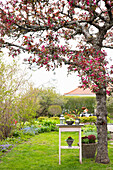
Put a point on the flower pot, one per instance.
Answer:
(77, 121)
(89, 150)
(69, 122)
(70, 142)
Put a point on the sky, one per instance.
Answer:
(59, 78)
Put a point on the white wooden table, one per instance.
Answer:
(70, 128)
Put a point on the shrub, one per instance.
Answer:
(90, 119)
(54, 110)
(40, 119)
(55, 118)
(89, 128)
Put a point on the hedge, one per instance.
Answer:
(79, 102)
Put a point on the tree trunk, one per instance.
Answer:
(102, 150)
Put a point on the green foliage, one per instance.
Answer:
(90, 119)
(66, 117)
(39, 100)
(40, 119)
(10, 85)
(55, 110)
(109, 104)
(74, 102)
(50, 121)
(44, 125)
(86, 140)
(48, 97)
(89, 130)
(108, 119)
(27, 106)
(55, 118)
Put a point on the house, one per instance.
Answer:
(80, 92)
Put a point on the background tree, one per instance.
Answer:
(27, 105)
(47, 29)
(35, 103)
(47, 97)
(11, 85)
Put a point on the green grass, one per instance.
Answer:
(41, 153)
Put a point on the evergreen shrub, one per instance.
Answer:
(54, 110)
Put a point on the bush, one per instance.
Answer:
(40, 119)
(55, 118)
(90, 119)
(89, 130)
(54, 110)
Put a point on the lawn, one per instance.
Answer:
(41, 153)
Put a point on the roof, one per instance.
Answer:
(80, 92)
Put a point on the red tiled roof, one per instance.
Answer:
(79, 91)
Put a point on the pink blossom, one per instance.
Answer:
(108, 92)
(87, 68)
(92, 74)
(96, 59)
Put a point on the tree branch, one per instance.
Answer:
(108, 6)
(11, 44)
(104, 46)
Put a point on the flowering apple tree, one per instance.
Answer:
(74, 32)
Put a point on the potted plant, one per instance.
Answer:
(69, 141)
(89, 146)
(70, 121)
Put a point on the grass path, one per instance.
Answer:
(41, 153)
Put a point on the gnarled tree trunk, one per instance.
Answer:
(102, 150)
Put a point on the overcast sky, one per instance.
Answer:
(42, 78)
(58, 79)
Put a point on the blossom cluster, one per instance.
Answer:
(3, 148)
(69, 138)
(89, 139)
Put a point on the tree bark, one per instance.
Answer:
(102, 149)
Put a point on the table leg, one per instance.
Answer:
(59, 146)
(80, 149)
